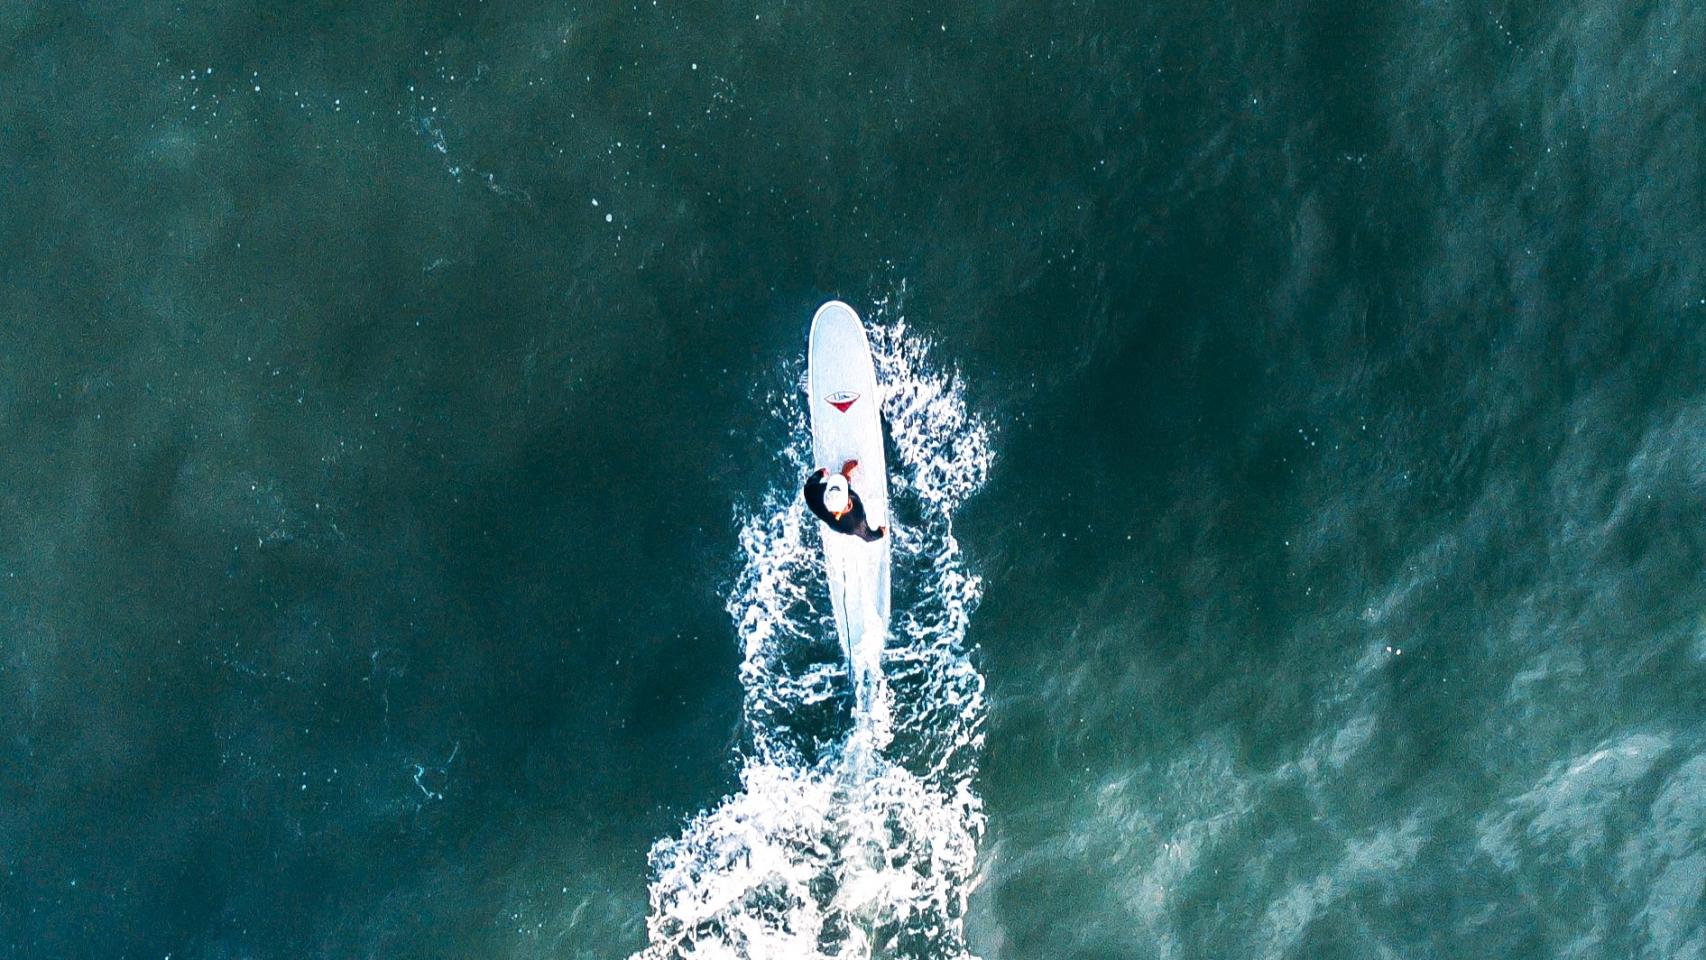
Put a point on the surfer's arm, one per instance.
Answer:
(814, 489)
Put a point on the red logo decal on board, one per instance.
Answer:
(842, 399)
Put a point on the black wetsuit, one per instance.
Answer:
(852, 522)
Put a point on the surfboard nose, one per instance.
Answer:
(837, 331)
(835, 311)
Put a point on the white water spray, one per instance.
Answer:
(853, 834)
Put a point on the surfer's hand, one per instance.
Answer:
(848, 468)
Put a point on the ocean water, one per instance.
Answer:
(1297, 418)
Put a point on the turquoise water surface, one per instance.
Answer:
(1297, 420)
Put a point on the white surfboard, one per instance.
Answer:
(847, 425)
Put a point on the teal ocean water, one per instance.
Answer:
(1297, 419)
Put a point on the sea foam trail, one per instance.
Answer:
(852, 835)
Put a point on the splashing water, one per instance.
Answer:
(853, 834)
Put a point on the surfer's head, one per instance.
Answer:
(835, 496)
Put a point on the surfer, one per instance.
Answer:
(830, 496)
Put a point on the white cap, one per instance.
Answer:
(835, 494)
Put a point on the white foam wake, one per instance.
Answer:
(852, 835)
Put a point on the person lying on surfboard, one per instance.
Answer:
(830, 496)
